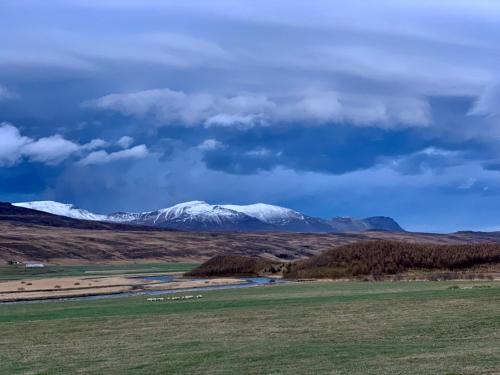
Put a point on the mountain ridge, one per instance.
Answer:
(27, 216)
(202, 216)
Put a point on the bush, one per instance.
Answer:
(233, 265)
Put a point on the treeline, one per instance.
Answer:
(234, 265)
(377, 258)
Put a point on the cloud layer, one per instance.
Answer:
(244, 111)
(330, 107)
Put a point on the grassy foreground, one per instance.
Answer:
(320, 328)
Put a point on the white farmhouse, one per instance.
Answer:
(33, 265)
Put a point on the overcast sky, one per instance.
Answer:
(332, 108)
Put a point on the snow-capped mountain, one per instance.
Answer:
(195, 215)
(202, 216)
(199, 215)
(281, 218)
(62, 209)
(266, 212)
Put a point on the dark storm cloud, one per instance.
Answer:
(329, 149)
(28, 179)
(288, 102)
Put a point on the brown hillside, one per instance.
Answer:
(24, 241)
(391, 257)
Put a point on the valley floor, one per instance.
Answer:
(20, 284)
(305, 328)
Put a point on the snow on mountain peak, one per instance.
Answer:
(195, 209)
(62, 209)
(266, 212)
(200, 215)
(182, 211)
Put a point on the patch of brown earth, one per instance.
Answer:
(21, 241)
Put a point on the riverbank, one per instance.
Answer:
(82, 287)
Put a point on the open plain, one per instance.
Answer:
(320, 328)
(19, 284)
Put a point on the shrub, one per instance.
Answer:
(233, 265)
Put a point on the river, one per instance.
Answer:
(250, 282)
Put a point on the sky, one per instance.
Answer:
(331, 108)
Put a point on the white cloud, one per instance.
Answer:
(178, 108)
(165, 104)
(125, 141)
(49, 150)
(236, 121)
(102, 157)
(11, 144)
(95, 144)
(361, 110)
(430, 159)
(323, 106)
(210, 144)
(244, 111)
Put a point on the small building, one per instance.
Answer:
(33, 265)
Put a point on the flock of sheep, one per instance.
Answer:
(160, 299)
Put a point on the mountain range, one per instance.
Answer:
(201, 216)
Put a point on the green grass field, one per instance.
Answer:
(17, 272)
(316, 328)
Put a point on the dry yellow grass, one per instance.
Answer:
(59, 287)
(77, 246)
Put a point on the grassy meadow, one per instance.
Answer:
(18, 272)
(308, 328)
